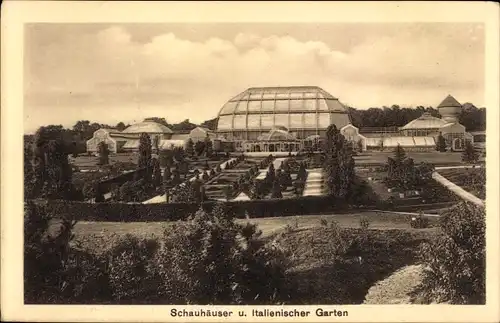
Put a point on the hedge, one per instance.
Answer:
(137, 212)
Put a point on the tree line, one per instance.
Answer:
(473, 118)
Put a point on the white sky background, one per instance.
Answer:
(188, 71)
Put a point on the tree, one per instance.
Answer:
(338, 163)
(399, 154)
(276, 190)
(176, 177)
(103, 150)
(470, 155)
(199, 148)
(455, 261)
(190, 147)
(441, 143)
(208, 147)
(52, 174)
(210, 124)
(120, 126)
(144, 151)
(156, 144)
(228, 192)
(157, 178)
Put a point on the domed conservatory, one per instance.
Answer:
(280, 118)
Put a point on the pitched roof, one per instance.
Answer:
(449, 101)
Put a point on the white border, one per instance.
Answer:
(15, 13)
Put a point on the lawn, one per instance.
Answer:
(91, 234)
(447, 158)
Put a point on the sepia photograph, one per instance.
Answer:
(266, 163)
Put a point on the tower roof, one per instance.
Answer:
(449, 101)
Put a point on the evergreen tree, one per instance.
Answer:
(190, 147)
(51, 169)
(399, 154)
(157, 178)
(144, 151)
(228, 192)
(103, 150)
(276, 190)
(208, 147)
(176, 177)
(470, 155)
(338, 163)
(360, 145)
(199, 148)
(156, 144)
(167, 174)
(441, 143)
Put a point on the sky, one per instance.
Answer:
(109, 73)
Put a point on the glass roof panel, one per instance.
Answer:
(268, 96)
(335, 105)
(254, 106)
(267, 105)
(281, 120)
(322, 106)
(225, 122)
(296, 95)
(229, 108)
(323, 120)
(240, 121)
(242, 106)
(254, 121)
(310, 120)
(245, 96)
(296, 105)
(267, 120)
(310, 95)
(281, 105)
(282, 95)
(255, 96)
(296, 120)
(310, 105)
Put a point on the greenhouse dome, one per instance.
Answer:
(303, 110)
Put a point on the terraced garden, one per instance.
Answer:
(471, 180)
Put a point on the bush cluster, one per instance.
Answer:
(455, 261)
(210, 259)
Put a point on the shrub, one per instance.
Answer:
(419, 221)
(132, 274)
(455, 261)
(55, 272)
(212, 260)
(364, 222)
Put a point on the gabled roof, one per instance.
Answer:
(449, 101)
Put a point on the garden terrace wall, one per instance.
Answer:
(137, 212)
